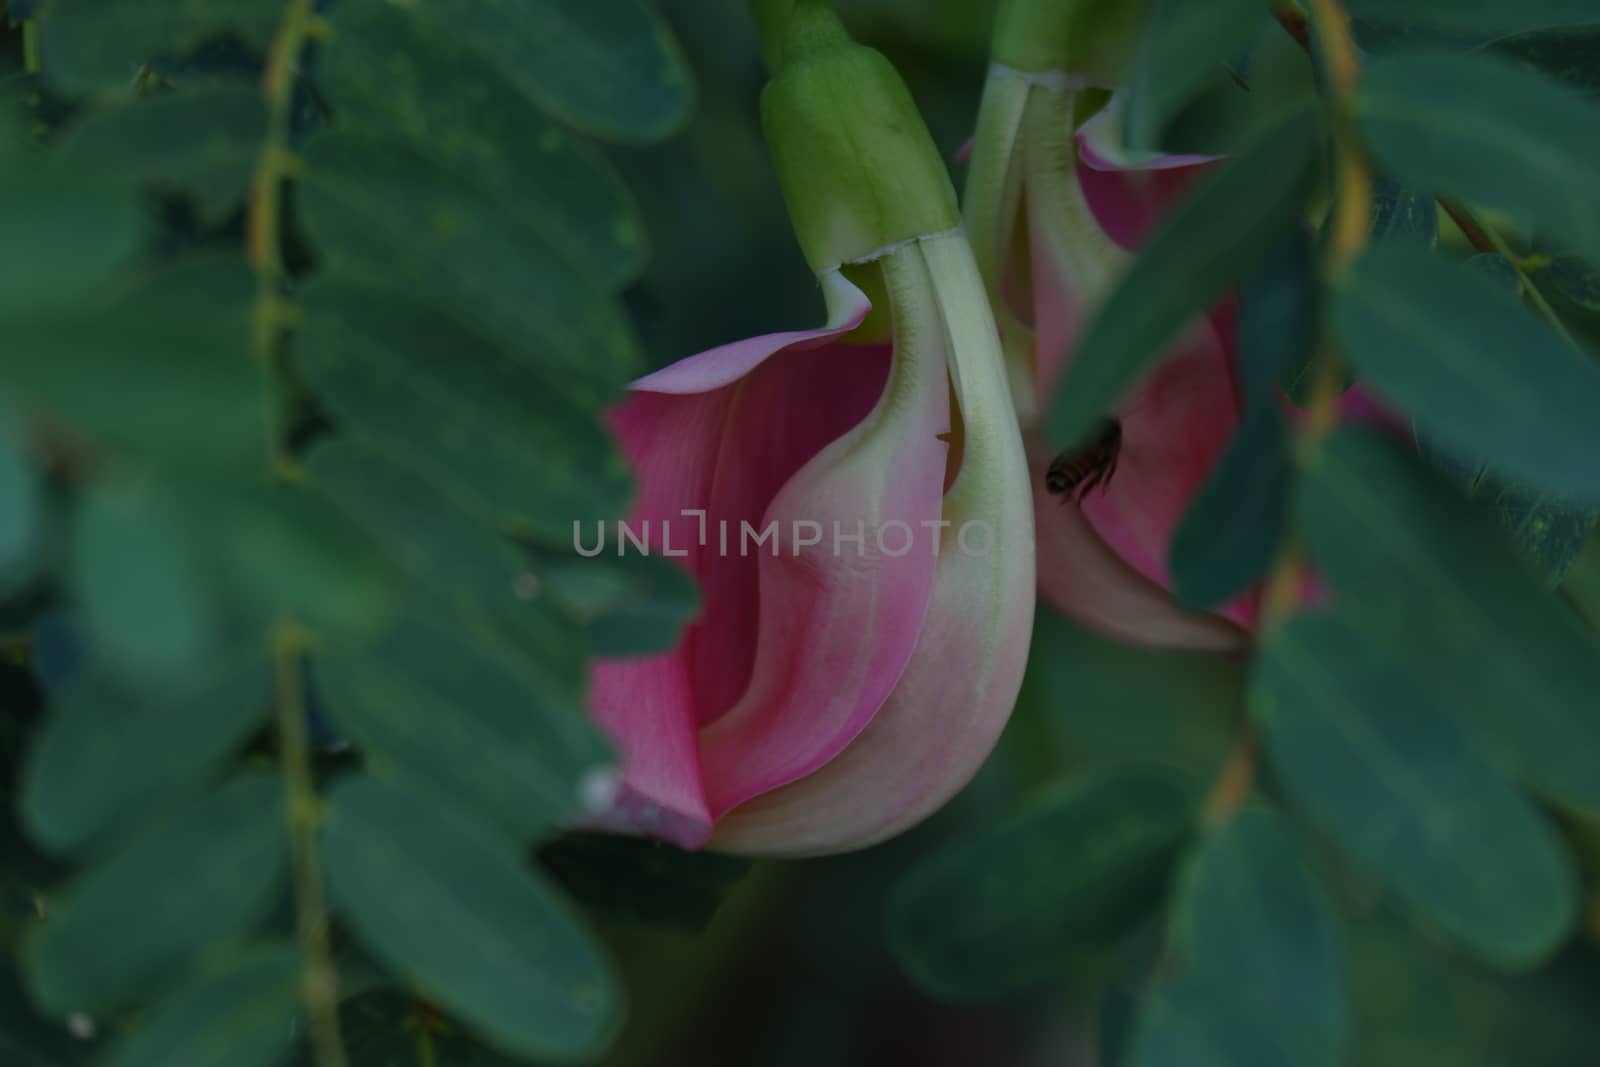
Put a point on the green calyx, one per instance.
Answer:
(858, 168)
(1085, 37)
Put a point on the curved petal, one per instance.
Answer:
(645, 706)
(1084, 578)
(1128, 203)
(673, 431)
(781, 416)
(838, 620)
(1101, 146)
(958, 689)
(1175, 428)
(717, 367)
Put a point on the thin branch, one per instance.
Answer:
(264, 242)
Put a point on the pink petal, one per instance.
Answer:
(724, 365)
(1101, 147)
(1175, 428)
(646, 706)
(675, 439)
(1129, 203)
(837, 624)
(1086, 579)
(778, 419)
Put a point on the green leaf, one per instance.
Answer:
(1231, 223)
(459, 406)
(44, 259)
(1180, 46)
(1104, 702)
(106, 754)
(1570, 55)
(203, 139)
(449, 548)
(132, 923)
(1479, 375)
(1404, 214)
(1581, 586)
(1496, 268)
(100, 45)
(1260, 965)
(447, 101)
(1547, 530)
(136, 380)
(1279, 317)
(26, 1040)
(631, 605)
(455, 708)
(245, 1014)
(1187, 1024)
(1230, 535)
(1382, 766)
(1414, 565)
(611, 70)
(1488, 130)
(293, 551)
(379, 208)
(144, 596)
(1420, 1003)
(1477, 16)
(1068, 876)
(442, 900)
(21, 505)
(1577, 280)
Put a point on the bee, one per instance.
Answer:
(1077, 470)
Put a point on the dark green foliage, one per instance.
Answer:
(446, 902)
(1258, 963)
(1068, 875)
(347, 441)
(1231, 533)
(1381, 765)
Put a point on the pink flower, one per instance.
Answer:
(1056, 215)
(1082, 204)
(847, 676)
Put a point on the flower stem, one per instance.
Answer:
(264, 245)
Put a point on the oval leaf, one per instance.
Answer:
(1488, 130)
(1230, 535)
(447, 903)
(1458, 353)
(447, 101)
(245, 1015)
(1386, 771)
(1260, 965)
(133, 922)
(1079, 868)
(611, 69)
(459, 406)
(106, 754)
(1417, 567)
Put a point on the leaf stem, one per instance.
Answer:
(1465, 218)
(30, 46)
(320, 983)
(264, 246)
(264, 220)
(1350, 231)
